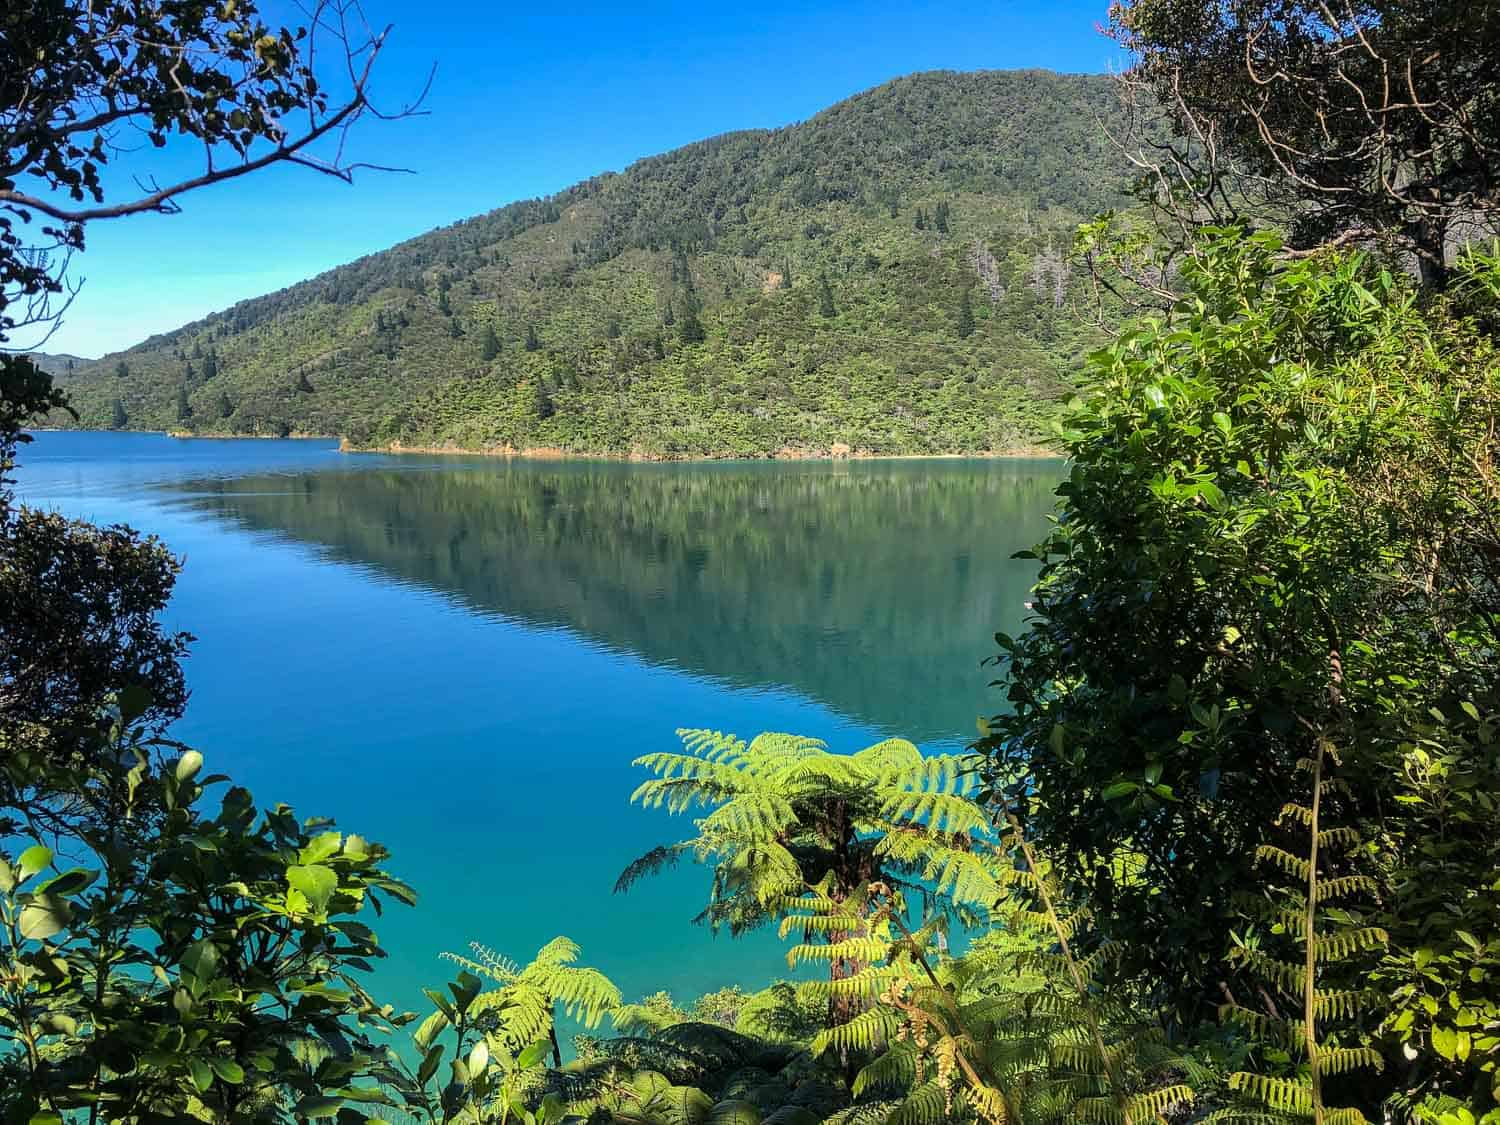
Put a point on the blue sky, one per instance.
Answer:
(527, 100)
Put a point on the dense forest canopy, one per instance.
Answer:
(890, 276)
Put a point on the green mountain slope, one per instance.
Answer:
(888, 276)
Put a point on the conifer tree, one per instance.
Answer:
(691, 329)
(489, 347)
(303, 385)
(545, 407)
(120, 419)
(210, 365)
(921, 220)
(184, 408)
(669, 317)
(226, 408)
(966, 314)
(940, 217)
(825, 298)
(532, 343)
(122, 369)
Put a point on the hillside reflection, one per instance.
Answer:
(874, 588)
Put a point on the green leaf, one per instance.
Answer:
(532, 1055)
(188, 766)
(429, 1065)
(201, 959)
(228, 1070)
(320, 848)
(44, 916)
(70, 882)
(1445, 1041)
(319, 1105)
(479, 1058)
(1119, 789)
(33, 859)
(318, 883)
(203, 1077)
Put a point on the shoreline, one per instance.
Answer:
(838, 451)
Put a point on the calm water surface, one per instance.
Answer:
(460, 657)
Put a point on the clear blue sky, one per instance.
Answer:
(528, 99)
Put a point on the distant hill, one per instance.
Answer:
(57, 363)
(889, 276)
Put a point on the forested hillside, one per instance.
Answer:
(889, 276)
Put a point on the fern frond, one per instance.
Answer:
(1274, 1093)
(929, 1104)
(869, 1030)
(895, 756)
(711, 744)
(1341, 1060)
(1156, 1103)
(1295, 866)
(1343, 944)
(1344, 886)
(657, 859)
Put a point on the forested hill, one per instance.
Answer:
(888, 276)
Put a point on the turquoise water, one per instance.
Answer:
(460, 656)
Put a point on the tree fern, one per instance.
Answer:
(1330, 942)
(783, 812)
(522, 1008)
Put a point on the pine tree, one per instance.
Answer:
(210, 366)
(455, 329)
(669, 317)
(532, 343)
(489, 347)
(940, 217)
(691, 330)
(122, 369)
(612, 328)
(121, 419)
(184, 408)
(189, 373)
(303, 385)
(443, 306)
(825, 298)
(966, 314)
(921, 221)
(226, 408)
(545, 407)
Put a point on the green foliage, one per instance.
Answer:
(1332, 941)
(522, 1009)
(748, 366)
(1280, 497)
(787, 814)
(180, 963)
